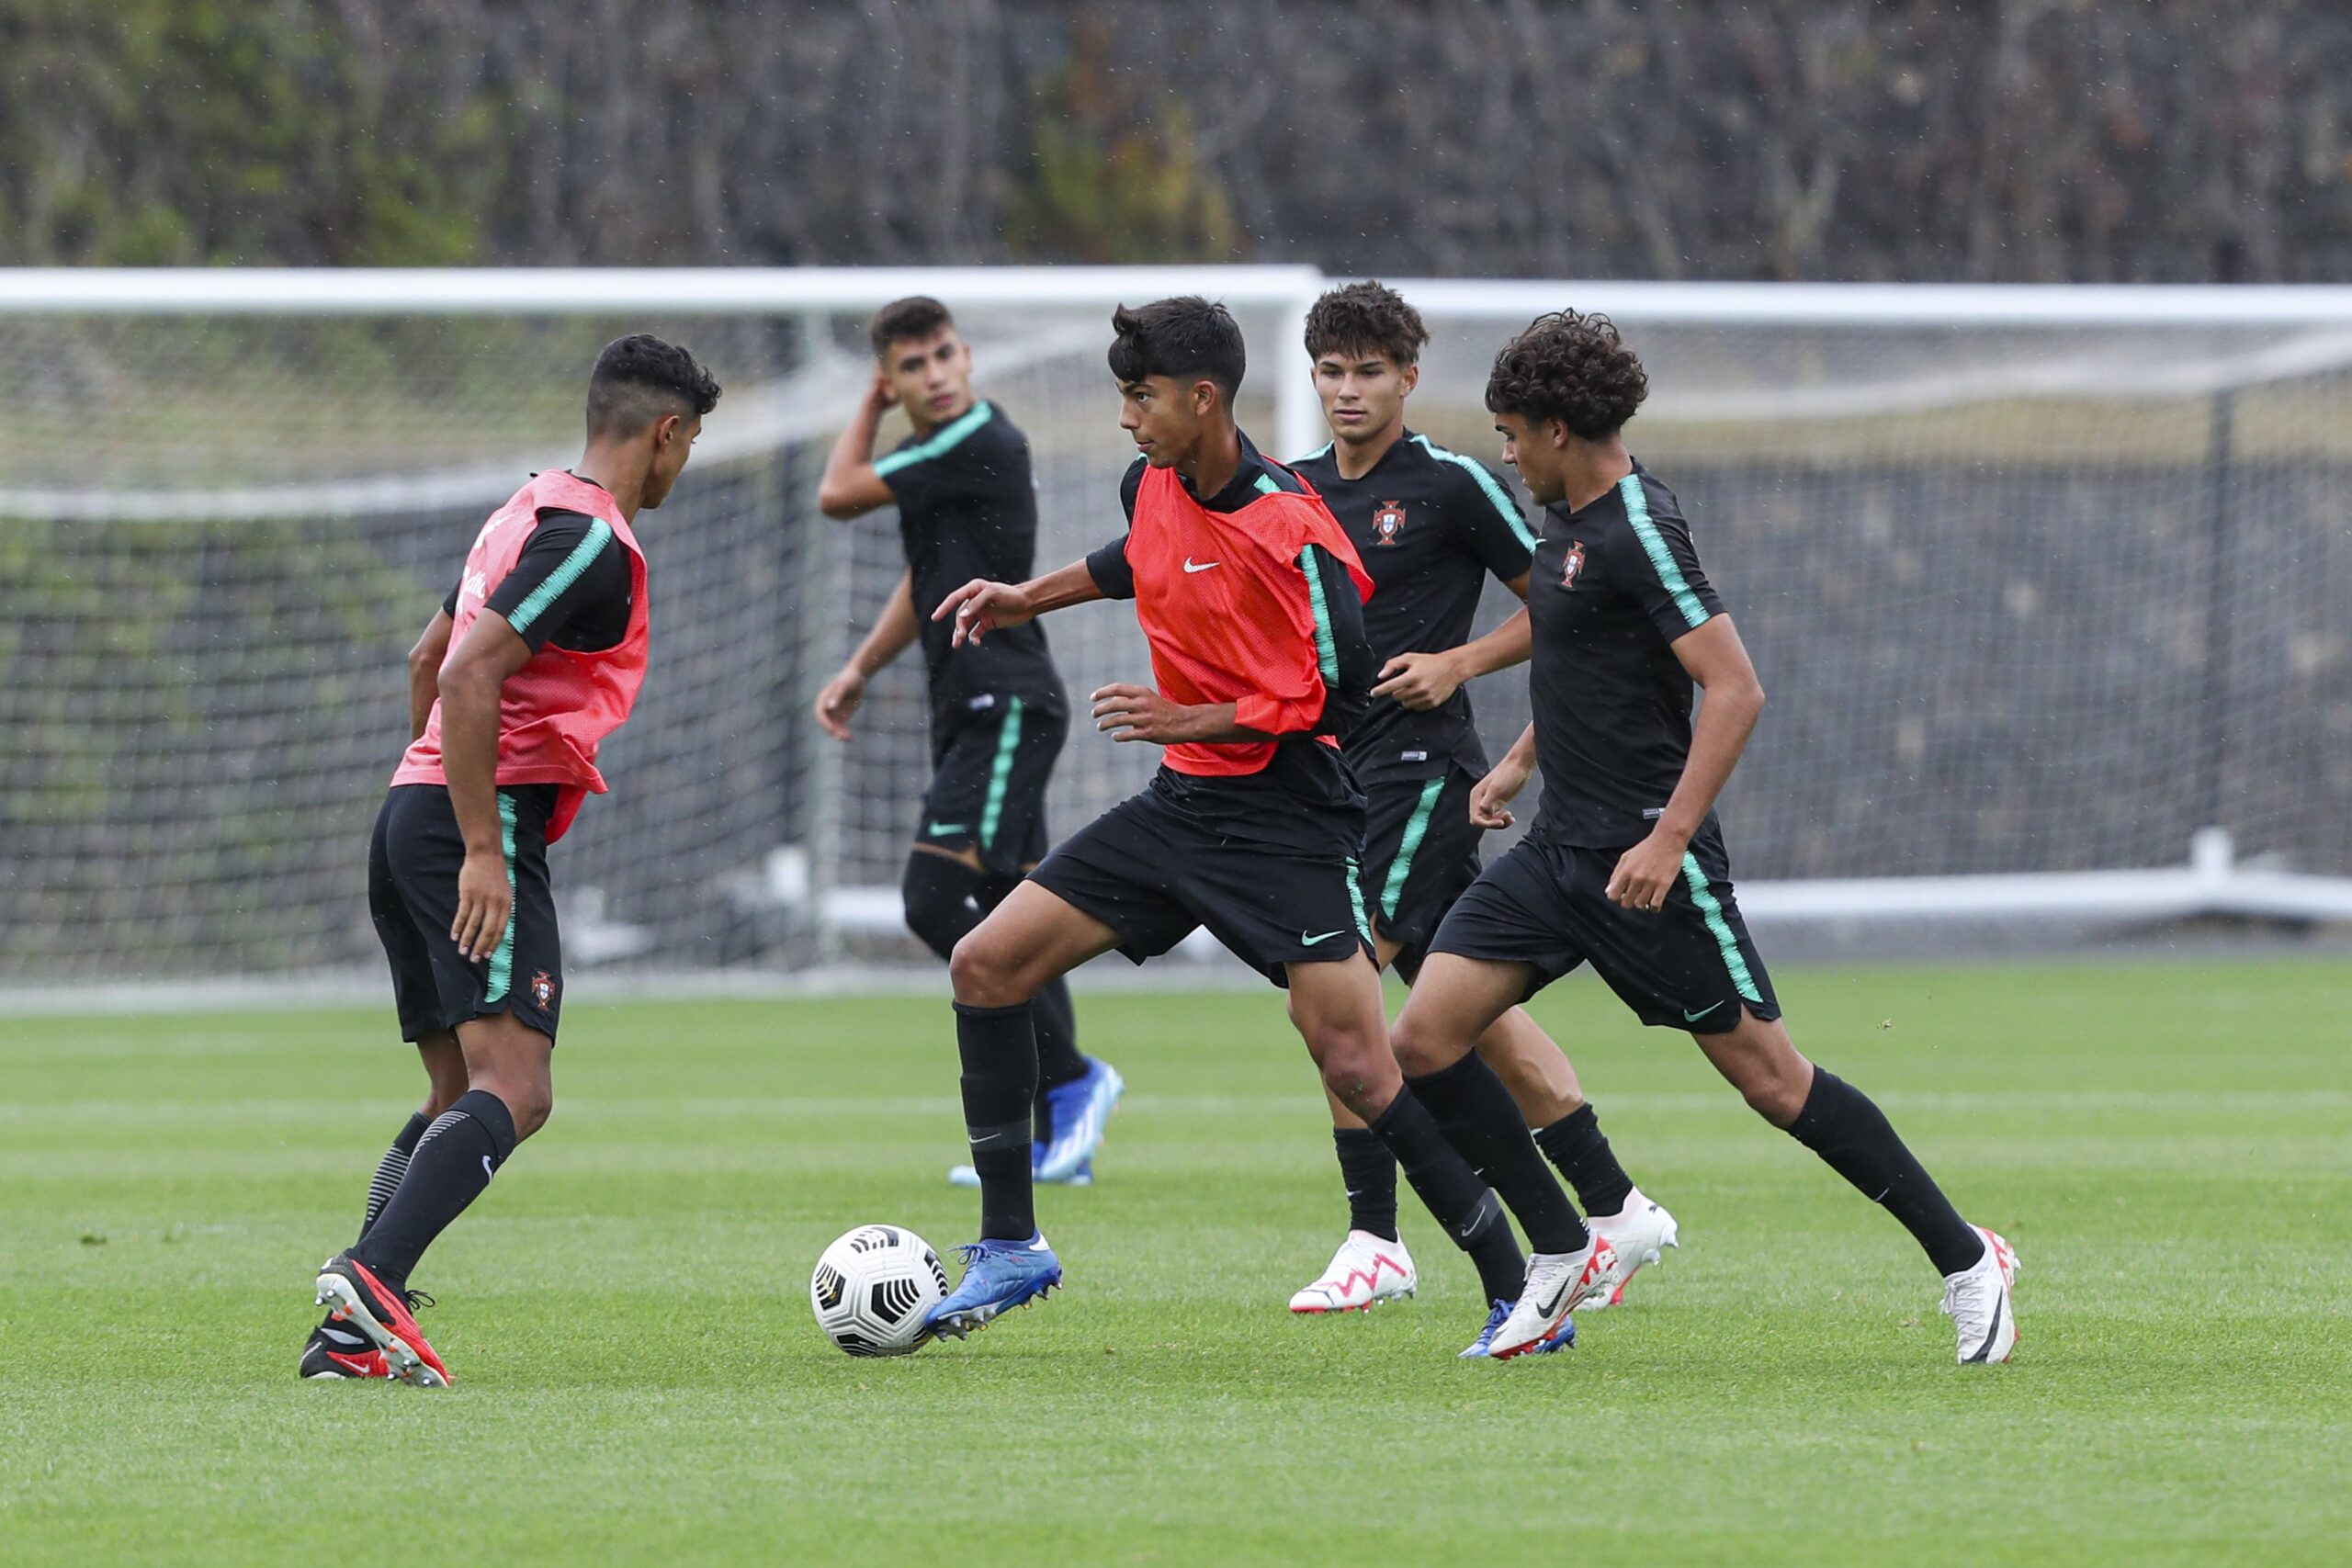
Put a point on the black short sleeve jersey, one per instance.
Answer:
(1616, 585)
(1431, 525)
(967, 508)
(569, 586)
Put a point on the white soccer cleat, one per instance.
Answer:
(1557, 1284)
(1977, 1301)
(1364, 1272)
(1639, 1232)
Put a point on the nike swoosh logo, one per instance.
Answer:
(1548, 1308)
(1190, 567)
(487, 1172)
(941, 830)
(1306, 941)
(1690, 1016)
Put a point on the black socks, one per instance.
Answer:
(1470, 1214)
(1576, 1144)
(1370, 1171)
(453, 1163)
(945, 899)
(389, 1171)
(1483, 1123)
(1853, 1135)
(1000, 1051)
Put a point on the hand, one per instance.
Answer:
(1138, 713)
(981, 606)
(1419, 680)
(881, 397)
(484, 902)
(1490, 797)
(1647, 871)
(838, 702)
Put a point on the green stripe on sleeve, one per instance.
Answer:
(1268, 486)
(1416, 829)
(1696, 880)
(1637, 512)
(600, 534)
(946, 438)
(1327, 645)
(1007, 741)
(1495, 493)
(501, 961)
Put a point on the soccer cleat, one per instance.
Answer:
(1364, 1272)
(998, 1276)
(964, 1176)
(331, 1352)
(1560, 1339)
(1082, 1111)
(354, 1298)
(1977, 1300)
(1557, 1284)
(1637, 1232)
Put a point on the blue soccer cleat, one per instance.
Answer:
(998, 1276)
(1082, 1111)
(1562, 1338)
(964, 1176)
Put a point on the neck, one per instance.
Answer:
(1594, 470)
(924, 425)
(1214, 461)
(1358, 458)
(619, 470)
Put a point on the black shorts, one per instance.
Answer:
(991, 758)
(1154, 875)
(412, 865)
(1691, 965)
(1420, 853)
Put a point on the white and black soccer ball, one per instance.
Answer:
(872, 1288)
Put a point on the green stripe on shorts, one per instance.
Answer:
(1415, 830)
(502, 962)
(1696, 880)
(1007, 741)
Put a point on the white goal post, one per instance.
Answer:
(2045, 581)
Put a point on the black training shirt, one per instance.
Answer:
(1615, 584)
(967, 508)
(1431, 525)
(569, 586)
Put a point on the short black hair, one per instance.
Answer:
(1569, 368)
(639, 379)
(916, 316)
(1366, 317)
(1187, 339)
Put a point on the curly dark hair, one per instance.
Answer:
(1366, 317)
(1572, 368)
(1188, 338)
(639, 379)
(916, 316)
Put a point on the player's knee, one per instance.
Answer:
(986, 972)
(531, 1109)
(1420, 1049)
(939, 908)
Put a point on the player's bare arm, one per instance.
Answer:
(469, 687)
(1425, 681)
(850, 487)
(1127, 712)
(424, 670)
(1490, 799)
(891, 635)
(981, 606)
(1718, 662)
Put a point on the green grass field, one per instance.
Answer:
(627, 1313)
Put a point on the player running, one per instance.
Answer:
(967, 508)
(1626, 866)
(1249, 593)
(537, 656)
(1430, 526)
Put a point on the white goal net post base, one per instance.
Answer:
(2045, 582)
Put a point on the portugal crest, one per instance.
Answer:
(543, 989)
(1387, 522)
(1574, 568)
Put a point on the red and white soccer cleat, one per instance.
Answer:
(1364, 1272)
(350, 1291)
(336, 1351)
(1557, 1284)
(1639, 1233)
(1977, 1300)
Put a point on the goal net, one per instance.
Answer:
(2042, 586)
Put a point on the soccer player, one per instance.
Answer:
(536, 657)
(1249, 593)
(1430, 526)
(1626, 866)
(967, 508)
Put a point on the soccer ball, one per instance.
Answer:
(874, 1287)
